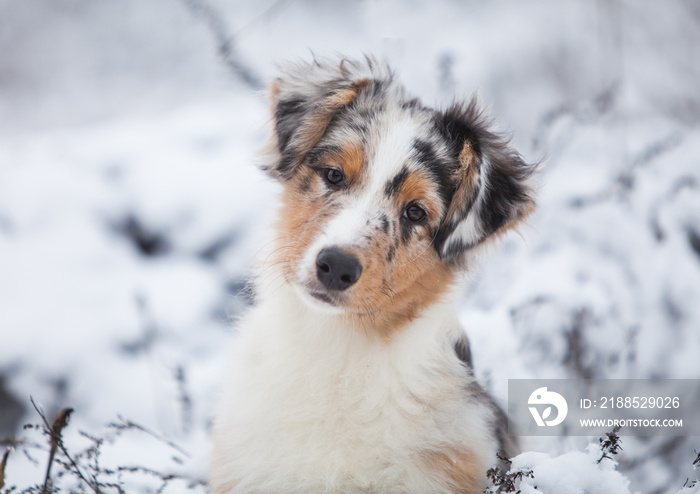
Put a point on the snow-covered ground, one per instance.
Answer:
(131, 209)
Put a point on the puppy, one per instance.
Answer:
(351, 374)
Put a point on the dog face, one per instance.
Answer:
(383, 197)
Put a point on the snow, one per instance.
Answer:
(576, 472)
(121, 118)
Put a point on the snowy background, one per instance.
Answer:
(131, 209)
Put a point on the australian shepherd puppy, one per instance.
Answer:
(351, 373)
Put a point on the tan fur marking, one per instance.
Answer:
(352, 158)
(389, 300)
(420, 186)
(462, 470)
(466, 175)
(467, 165)
(341, 97)
(300, 219)
(313, 128)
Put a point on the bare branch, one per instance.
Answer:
(128, 424)
(224, 41)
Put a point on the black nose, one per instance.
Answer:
(336, 269)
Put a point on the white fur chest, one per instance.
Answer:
(315, 406)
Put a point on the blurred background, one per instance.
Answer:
(131, 209)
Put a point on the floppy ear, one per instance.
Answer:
(304, 101)
(491, 182)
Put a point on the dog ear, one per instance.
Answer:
(304, 101)
(492, 192)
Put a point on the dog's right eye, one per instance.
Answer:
(334, 176)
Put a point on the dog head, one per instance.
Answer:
(384, 198)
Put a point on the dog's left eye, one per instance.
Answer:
(334, 176)
(414, 213)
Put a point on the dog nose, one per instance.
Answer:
(336, 269)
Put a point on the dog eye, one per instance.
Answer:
(414, 213)
(333, 176)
